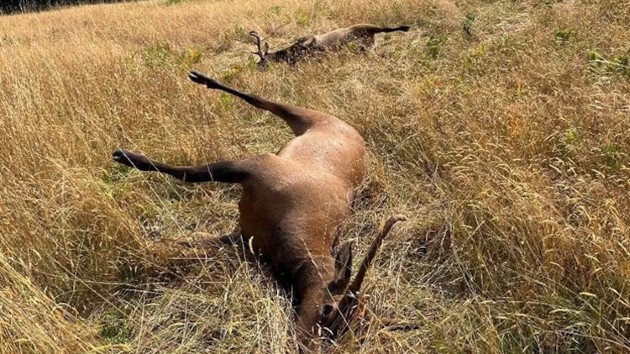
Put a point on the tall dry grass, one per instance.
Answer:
(507, 148)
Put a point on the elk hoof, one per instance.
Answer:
(123, 157)
(399, 217)
(131, 159)
(202, 79)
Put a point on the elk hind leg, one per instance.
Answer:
(299, 119)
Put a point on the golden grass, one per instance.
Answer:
(507, 150)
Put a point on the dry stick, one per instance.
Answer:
(273, 32)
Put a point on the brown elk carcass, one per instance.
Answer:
(292, 205)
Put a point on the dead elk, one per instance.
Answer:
(291, 206)
(334, 40)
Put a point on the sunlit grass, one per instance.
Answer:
(500, 129)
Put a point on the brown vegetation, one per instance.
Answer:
(500, 129)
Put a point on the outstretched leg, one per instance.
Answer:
(299, 119)
(224, 171)
(395, 29)
(370, 30)
(376, 29)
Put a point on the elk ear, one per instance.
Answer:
(343, 270)
(265, 49)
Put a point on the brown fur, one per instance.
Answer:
(292, 204)
(329, 41)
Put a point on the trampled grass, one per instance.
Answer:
(501, 129)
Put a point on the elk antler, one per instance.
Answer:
(258, 43)
(350, 305)
(367, 261)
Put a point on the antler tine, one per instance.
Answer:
(258, 43)
(273, 33)
(376, 244)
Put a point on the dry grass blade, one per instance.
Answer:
(499, 128)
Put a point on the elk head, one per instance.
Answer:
(336, 308)
(262, 49)
(291, 54)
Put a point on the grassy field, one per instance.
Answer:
(501, 129)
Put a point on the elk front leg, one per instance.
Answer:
(224, 171)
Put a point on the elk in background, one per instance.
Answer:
(330, 41)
